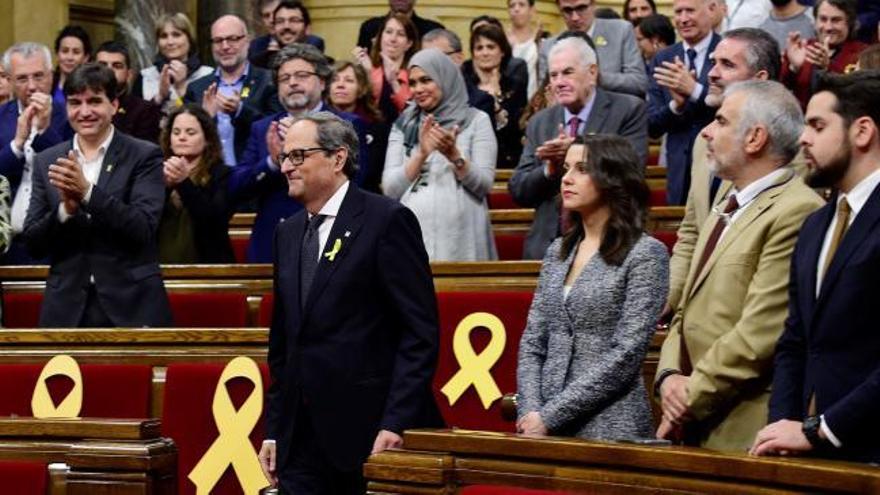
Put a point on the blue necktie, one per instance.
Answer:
(308, 260)
(692, 59)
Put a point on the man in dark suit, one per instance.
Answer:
(581, 108)
(136, 117)
(237, 94)
(370, 28)
(354, 338)
(290, 24)
(94, 212)
(826, 382)
(677, 94)
(301, 77)
(29, 123)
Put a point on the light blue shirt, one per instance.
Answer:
(224, 121)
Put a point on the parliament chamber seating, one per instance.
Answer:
(23, 477)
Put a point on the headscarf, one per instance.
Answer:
(453, 108)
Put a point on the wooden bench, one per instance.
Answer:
(443, 461)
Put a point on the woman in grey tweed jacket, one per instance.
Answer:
(601, 290)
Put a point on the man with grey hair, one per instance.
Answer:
(29, 123)
(716, 363)
(301, 74)
(237, 94)
(354, 322)
(581, 108)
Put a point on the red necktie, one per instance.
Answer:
(573, 125)
(723, 220)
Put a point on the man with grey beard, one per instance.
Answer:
(301, 73)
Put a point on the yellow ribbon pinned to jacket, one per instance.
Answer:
(41, 402)
(232, 446)
(475, 369)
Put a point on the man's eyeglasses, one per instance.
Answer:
(580, 9)
(23, 79)
(298, 76)
(227, 39)
(298, 155)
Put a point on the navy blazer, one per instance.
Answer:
(259, 98)
(112, 238)
(681, 130)
(253, 179)
(831, 344)
(10, 165)
(362, 350)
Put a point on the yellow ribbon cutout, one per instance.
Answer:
(41, 402)
(475, 368)
(233, 446)
(331, 255)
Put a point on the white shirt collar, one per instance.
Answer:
(102, 149)
(701, 47)
(331, 207)
(859, 194)
(751, 191)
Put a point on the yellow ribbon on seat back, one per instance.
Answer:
(233, 446)
(475, 369)
(42, 405)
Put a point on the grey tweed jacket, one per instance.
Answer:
(580, 359)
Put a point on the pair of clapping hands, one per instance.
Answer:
(433, 137)
(174, 73)
(37, 115)
(213, 101)
(798, 51)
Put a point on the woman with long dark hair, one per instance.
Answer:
(195, 221)
(73, 47)
(600, 292)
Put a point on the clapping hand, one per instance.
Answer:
(210, 101)
(795, 50)
(553, 151)
(23, 125)
(175, 170)
(361, 56)
(229, 103)
(427, 138)
(675, 77)
(67, 176)
(819, 54)
(43, 115)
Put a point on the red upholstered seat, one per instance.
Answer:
(109, 390)
(187, 418)
(668, 237)
(499, 200)
(265, 317)
(505, 490)
(23, 478)
(658, 197)
(239, 248)
(510, 246)
(214, 309)
(21, 310)
(512, 309)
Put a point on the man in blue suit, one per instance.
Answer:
(301, 74)
(826, 382)
(29, 123)
(677, 95)
(354, 340)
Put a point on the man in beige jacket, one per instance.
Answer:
(714, 370)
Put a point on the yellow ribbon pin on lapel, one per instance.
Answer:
(331, 255)
(475, 369)
(41, 402)
(233, 446)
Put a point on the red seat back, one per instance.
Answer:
(499, 200)
(239, 248)
(265, 317)
(22, 310)
(510, 246)
(667, 237)
(512, 309)
(209, 309)
(187, 418)
(109, 390)
(658, 197)
(24, 478)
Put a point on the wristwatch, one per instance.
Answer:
(811, 431)
(458, 162)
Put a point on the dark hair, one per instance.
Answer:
(364, 100)
(626, 11)
(74, 32)
(94, 76)
(870, 58)
(487, 19)
(659, 26)
(531, 3)
(536, 103)
(496, 35)
(211, 155)
(849, 10)
(762, 50)
(292, 5)
(115, 47)
(302, 51)
(616, 170)
(607, 13)
(412, 34)
(858, 94)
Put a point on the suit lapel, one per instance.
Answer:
(342, 237)
(599, 113)
(707, 64)
(111, 162)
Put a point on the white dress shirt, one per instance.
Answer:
(748, 195)
(91, 169)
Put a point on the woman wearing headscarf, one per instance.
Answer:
(441, 162)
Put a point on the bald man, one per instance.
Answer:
(236, 94)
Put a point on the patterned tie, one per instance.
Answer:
(573, 125)
(308, 260)
(731, 207)
(692, 59)
(839, 231)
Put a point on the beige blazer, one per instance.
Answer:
(732, 314)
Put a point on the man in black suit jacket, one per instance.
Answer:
(94, 212)
(237, 94)
(370, 28)
(582, 108)
(826, 382)
(354, 339)
(135, 116)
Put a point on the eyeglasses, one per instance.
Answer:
(23, 79)
(298, 155)
(580, 10)
(227, 39)
(298, 76)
